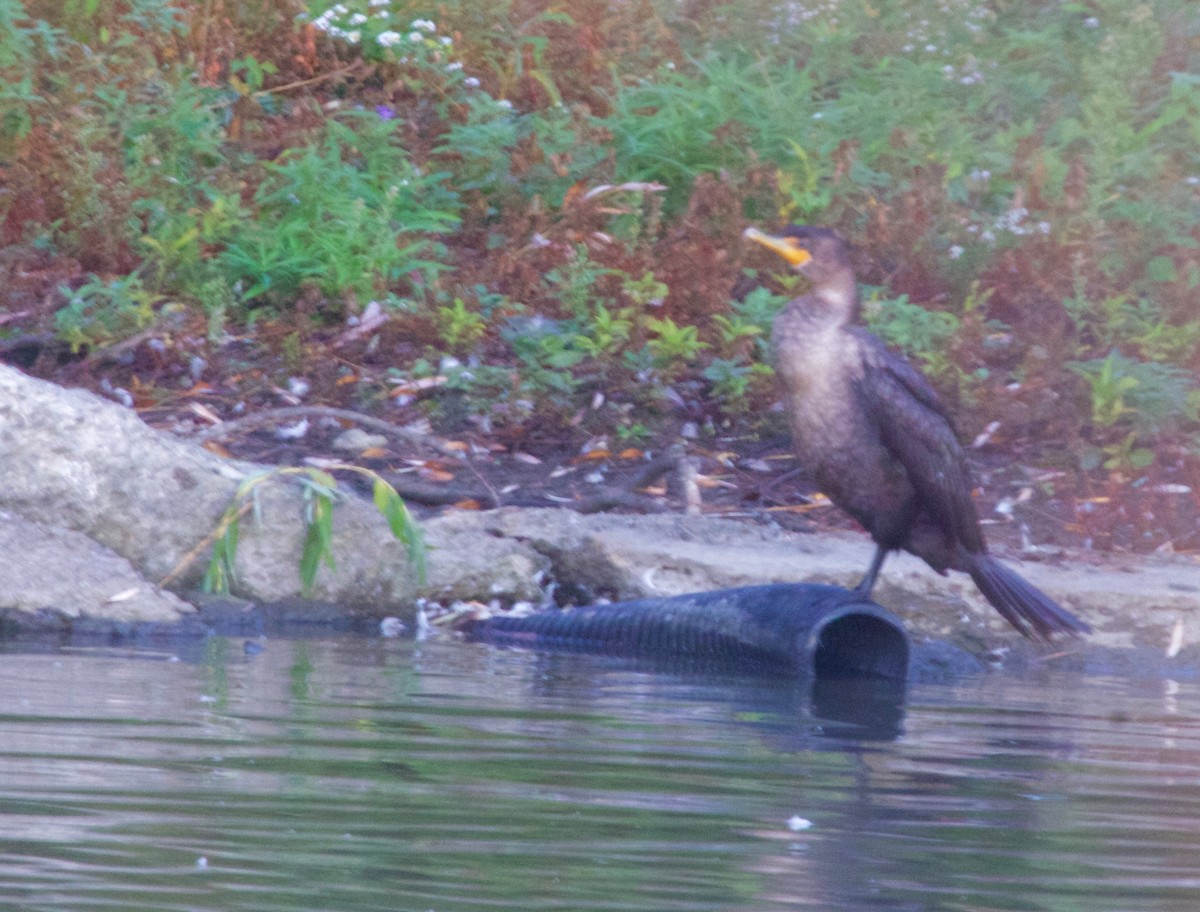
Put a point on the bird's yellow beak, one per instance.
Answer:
(788, 248)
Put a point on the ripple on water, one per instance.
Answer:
(355, 774)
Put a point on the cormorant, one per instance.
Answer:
(876, 438)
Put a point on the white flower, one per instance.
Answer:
(955, 251)
(471, 82)
(424, 25)
(414, 37)
(353, 37)
(1011, 220)
(387, 39)
(446, 40)
(453, 67)
(339, 9)
(1091, 22)
(376, 3)
(1044, 227)
(505, 103)
(358, 19)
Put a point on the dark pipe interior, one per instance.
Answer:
(861, 644)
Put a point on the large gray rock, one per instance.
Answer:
(73, 461)
(56, 573)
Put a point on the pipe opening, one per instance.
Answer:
(859, 644)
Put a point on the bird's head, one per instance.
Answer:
(818, 253)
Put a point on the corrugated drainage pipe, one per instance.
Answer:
(801, 628)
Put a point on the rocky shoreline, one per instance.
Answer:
(98, 507)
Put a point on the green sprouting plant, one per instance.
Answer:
(646, 291)
(253, 76)
(732, 381)
(492, 302)
(605, 331)
(349, 213)
(725, 113)
(479, 149)
(673, 346)
(320, 493)
(549, 351)
(635, 432)
(142, 157)
(567, 148)
(921, 334)
(511, 157)
(459, 327)
(574, 283)
(1143, 394)
(17, 98)
(177, 261)
(544, 352)
(20, 35)
(1109, 386)
(976, 298)
(758, 310)
(22, 41)
(805, 186)
(270, 263)
(99, 312)
(1137, 324)
(1125, 455)
(733, 329)
(98, 23)
(541, 381)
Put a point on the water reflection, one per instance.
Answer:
(359, 774)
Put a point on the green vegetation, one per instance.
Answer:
(546, 200)
(320, 492)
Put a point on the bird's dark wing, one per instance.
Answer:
(918, 432)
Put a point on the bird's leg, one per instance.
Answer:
(868, 582)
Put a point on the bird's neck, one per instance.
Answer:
(838, 296)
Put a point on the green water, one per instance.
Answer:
(358, 774)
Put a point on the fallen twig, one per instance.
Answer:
(287, 413)
(190, 558)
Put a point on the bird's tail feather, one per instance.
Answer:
(1022, 604)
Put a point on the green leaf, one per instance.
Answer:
(1141, 457)
(400, 522)
(310, 559)
(1161, 269)
(318, 543)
